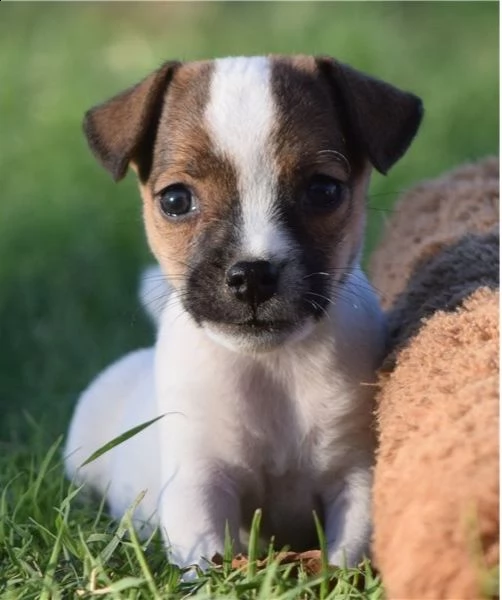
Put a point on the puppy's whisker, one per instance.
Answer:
(156, 303)
(312, 303)
(317, 306)
(361, 281)
(329, 270)
(313, 274)
(339, 293)
(364, 284)
(170, 258)
(155, 287)
(321, 296)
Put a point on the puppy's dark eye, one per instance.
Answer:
(176, 201)
(323, 193)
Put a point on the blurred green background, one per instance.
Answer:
(72, 242)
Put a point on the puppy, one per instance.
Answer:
(253, 174)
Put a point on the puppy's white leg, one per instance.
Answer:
(194, 519)
(198, 501)
(348, 519)
(197, 385)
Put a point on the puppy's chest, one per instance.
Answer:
(289, 424)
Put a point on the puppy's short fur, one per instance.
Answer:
(253, 173)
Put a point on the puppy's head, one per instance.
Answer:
(253, 173)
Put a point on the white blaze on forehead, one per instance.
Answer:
(240, 117)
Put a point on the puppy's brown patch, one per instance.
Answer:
(184, 154)
(312, 138)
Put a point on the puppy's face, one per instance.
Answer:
(253, 173)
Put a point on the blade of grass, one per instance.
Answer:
(122, 529)
(48, 581)
(228, 551)
(120, 439)
(254, 542)
(42, 470)
(139, 551)
(324, 588)
(266, 588)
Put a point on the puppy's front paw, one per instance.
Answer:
(193, 562)
(338, 558)
(348, 554)
(196, 513)
(192, 572)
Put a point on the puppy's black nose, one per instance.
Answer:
(253, 281)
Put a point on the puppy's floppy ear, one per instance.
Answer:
(384, 118)
(123, 129)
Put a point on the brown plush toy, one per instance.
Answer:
(436, 493)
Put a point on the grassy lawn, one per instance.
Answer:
(72, 243)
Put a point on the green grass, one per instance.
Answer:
(54, 546)
(72, 244)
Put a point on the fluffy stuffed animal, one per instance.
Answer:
(436, 492)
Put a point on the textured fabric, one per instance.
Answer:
(443, 282)
(436, 491)
(432, 215)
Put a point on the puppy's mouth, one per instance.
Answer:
(255, 325)
(257, 335)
